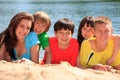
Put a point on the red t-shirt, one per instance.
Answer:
(70, 54)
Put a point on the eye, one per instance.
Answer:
(83, 28)
(107, 31)
(28, 28)
(68, 33)
(60, 33)
(37, 23)
(22, 26)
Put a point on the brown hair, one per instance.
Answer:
(8, 36)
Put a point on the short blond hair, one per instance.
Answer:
(43, 16)
(103, 19)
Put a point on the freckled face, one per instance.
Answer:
(23, 29)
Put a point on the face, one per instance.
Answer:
(63, 36)
(39, 27)
(103, 32)
(87, 31)
(23, 29)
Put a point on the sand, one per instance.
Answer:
(63, 71)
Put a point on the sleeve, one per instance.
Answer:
(33, 39)
(45, 41)
(75, 51)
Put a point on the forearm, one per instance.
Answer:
(79, 64)
(48, 55)
(48, 59)
(35, 54)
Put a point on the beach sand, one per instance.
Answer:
(63, 71)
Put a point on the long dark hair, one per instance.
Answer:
(89, 20)
(8, 36)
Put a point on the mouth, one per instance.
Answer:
(64, 40)
(86, 37)
(103, 38)
(38, 32)
(22, 34)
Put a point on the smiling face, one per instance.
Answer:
(87, 31)
(23, 29)
(103, 32)
(39, 26)
(63, 37)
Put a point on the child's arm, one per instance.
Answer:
(115, 50)
(48, 55)
(35, 53)
(78, 62)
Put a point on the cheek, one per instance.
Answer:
(83, 32)
(69, 37)
(27, 32)
(35, 26)
(18, 29)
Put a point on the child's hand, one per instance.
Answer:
(109, 61)
(41, 62)
(26, 61)
(102, 67)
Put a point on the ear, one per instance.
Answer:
(111, 30)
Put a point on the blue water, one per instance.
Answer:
(74, 11)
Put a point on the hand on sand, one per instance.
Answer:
(102, 67)
(26, 61)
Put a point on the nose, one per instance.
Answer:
(24, 29)
(63, 35)
(103, 33)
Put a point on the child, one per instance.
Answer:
(99, 49)
(16, 42)
(85, 31)
(63, 46)
(41, 26)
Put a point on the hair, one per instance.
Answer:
(8, 36)
(40, 15)
(64, 23)
(89, 21)
(103, 19)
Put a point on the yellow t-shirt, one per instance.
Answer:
(89, 57)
